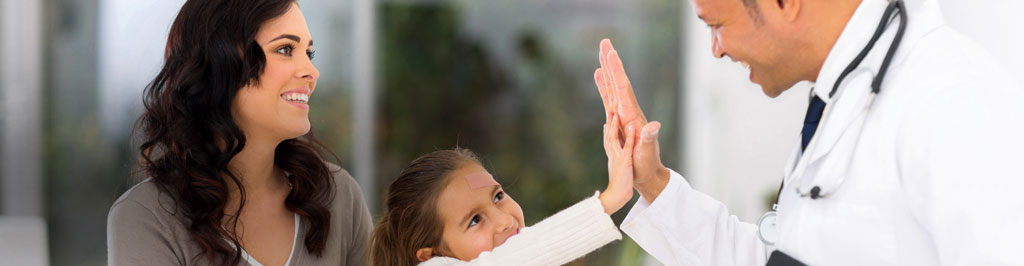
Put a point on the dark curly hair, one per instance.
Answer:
(190, 136)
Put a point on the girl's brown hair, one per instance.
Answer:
(411, 221)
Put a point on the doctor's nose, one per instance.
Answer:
(716, 45)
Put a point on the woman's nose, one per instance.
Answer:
(308, 71)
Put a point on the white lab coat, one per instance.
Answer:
(936, 177)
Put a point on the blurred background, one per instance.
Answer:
(510, 80)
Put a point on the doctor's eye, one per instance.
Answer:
(475, 220)
(310, 54)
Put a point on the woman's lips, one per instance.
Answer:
(297, 97)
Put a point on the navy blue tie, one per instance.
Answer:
(814, 110)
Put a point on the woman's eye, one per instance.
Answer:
(310, 54)
(285, 50)
(474, 221)
(499, 196)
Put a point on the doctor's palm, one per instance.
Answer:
(618, 97)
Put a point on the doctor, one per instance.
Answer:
(911, 153)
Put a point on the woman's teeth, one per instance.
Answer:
(745, 65)
(295, 97)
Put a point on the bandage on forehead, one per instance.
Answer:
(480, 179)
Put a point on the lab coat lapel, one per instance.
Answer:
(850, 99)
(848, 102)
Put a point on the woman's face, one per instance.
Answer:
(277, 108)
(477, 214)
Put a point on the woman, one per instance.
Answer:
(234, 177)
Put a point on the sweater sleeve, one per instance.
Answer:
(362, 224)
(558, 239)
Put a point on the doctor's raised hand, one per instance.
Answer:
(650, 175)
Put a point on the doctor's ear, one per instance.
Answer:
(788, 8)
(424, 254)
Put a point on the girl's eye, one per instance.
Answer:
(499, 196)
(310, 54)
(285, 50)
(474, 221)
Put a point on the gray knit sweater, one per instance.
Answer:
(145, 228)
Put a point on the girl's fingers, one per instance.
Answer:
(616, 137)
(630, 141)
(607, 141)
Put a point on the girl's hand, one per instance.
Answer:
(620, 165)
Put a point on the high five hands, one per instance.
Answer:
(649, 175)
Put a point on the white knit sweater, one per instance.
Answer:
(559, 239)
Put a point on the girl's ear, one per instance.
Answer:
(424, 254)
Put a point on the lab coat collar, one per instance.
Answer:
(925, 14)
(844, 107)
(853, 38)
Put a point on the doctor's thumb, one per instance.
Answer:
(649, 133)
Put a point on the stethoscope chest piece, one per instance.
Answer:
(768, 227)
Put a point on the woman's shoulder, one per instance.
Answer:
(146, 200)
(345, 185)
(145, 226)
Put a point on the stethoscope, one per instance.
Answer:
(767, 226)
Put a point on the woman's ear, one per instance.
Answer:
(424, 254)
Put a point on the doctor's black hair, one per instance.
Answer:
(752, 10)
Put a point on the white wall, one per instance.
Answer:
(21, 66)
(737, 139)
(996, 24)
(132, 38)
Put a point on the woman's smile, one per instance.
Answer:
(297, 97)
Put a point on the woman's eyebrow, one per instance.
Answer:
(288, 36)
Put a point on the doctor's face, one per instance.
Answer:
(747, 36)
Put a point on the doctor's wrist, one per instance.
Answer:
(653, 187)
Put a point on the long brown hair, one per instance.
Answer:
(411, 221)
(190, 136)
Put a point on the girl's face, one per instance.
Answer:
(276, 109)
(476, 213)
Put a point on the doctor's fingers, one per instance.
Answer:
(625, 99)
(604, 88)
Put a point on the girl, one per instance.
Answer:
(445, 209)
(234, 178)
